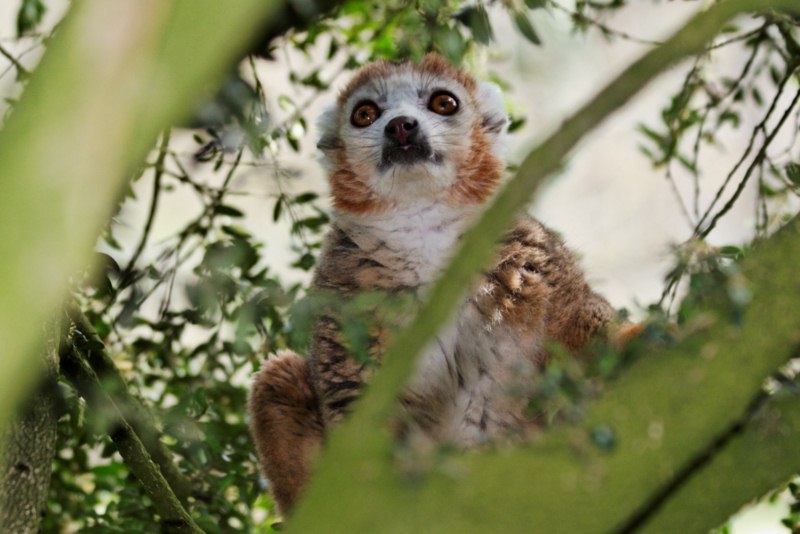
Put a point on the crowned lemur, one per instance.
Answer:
(413, 154)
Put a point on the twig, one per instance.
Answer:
(159, 171)
(580, 17)
(14, 61)
(216, 202)
(740, 37)
(677, 194)
(760, 127)
(756, 162)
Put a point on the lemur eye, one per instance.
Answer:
(365, 114)
(443, 103)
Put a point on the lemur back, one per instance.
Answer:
(413, 153)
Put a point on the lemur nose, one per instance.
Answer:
(401, 129)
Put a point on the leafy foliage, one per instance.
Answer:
(188, 318)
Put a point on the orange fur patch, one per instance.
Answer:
(624, 334)
(479, 174)
(350, 193)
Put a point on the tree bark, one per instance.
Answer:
(27, 448)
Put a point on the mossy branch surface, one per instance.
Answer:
(356, 489)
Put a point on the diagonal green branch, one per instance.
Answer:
(90, 349)
(174, 517)
(754, 462)
(363, 444)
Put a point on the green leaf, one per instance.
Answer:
(29, 16)
(312, 223)
(535, 4)
(526, 28)
(304, 198)
(276, 212)
(286, 104)
(450, 43)
(730, 250)
(729, 116)
(313, 80)
(228, 210)
(293, 142)
(793, 173)
(477, 20)
(774, 74)
(757, 98)
(516, 123)
(235, 231)
(333, 48)
(306, 262)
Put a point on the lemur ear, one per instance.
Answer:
(490, 105)
(328, 126)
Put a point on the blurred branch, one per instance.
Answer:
(360, 448)
(173, 515)
(94, 120)
(90, 349)
(679, 420)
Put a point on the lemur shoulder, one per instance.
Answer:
(413, 152)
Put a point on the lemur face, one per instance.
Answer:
(401, 132)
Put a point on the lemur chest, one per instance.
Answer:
(471, 381)
(407, 248)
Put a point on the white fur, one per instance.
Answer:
(415, 241)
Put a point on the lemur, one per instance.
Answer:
(413, 152)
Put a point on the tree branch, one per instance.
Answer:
(90, 348)
(27, 448)
(95, 120)
(125, 277)
(361, 447)
(173, 516)
(753, 462)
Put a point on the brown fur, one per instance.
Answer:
(479, 174)
(286, 425)
(349, 192)
(575, 312)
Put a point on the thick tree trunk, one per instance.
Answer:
(26, 453)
